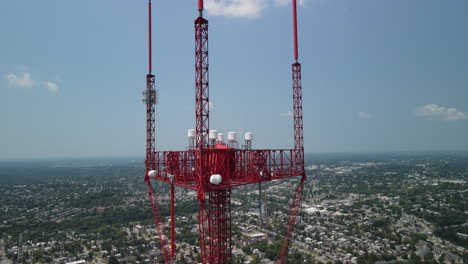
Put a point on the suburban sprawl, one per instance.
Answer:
(356, 208)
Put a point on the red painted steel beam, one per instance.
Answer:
(297, 95)
(202, 110)
(172, 222)
(296, 52)
(298, 144)
(220, 226)
(202, 126)
(159, 224)
(297, 113)
(293, 211)
(150, 162)
(203, 231)
(239, 167)
(150, 101)
(150, 66)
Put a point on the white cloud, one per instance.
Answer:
(210, 105)
(286, 2)
(24, 80)
(52, 87)
(235, 8)
(364, 115)
(289, 113)
(242, 8)
(440, 112)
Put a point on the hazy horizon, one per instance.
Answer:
(419, 153)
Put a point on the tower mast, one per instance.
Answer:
(298, 143)
(150, 99)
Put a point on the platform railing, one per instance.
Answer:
(238, 166)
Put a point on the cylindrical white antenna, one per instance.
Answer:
(191, 133)
(220, 137)
(248, 136)
(213, 135)
(232, 136)
(248, 140)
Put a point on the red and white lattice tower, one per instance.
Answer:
(212, 168)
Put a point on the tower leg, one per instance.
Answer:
(260, 204)
(203, 231)
(220, 226)
(293, 211)
(172, 222)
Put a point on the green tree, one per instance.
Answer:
(113, 260)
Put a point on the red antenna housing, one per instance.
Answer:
(200, 4)
(294, 9)
(150, 53)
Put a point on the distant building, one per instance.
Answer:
(100, 209)
(77, 262)
(252, 238)
(422, 254)
(449, 257)
(139, 230)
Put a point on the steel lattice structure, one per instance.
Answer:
(194, 167)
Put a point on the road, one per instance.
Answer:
(3, 258)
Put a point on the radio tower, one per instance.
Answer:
(211, 167)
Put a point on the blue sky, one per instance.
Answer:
(377, 75)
